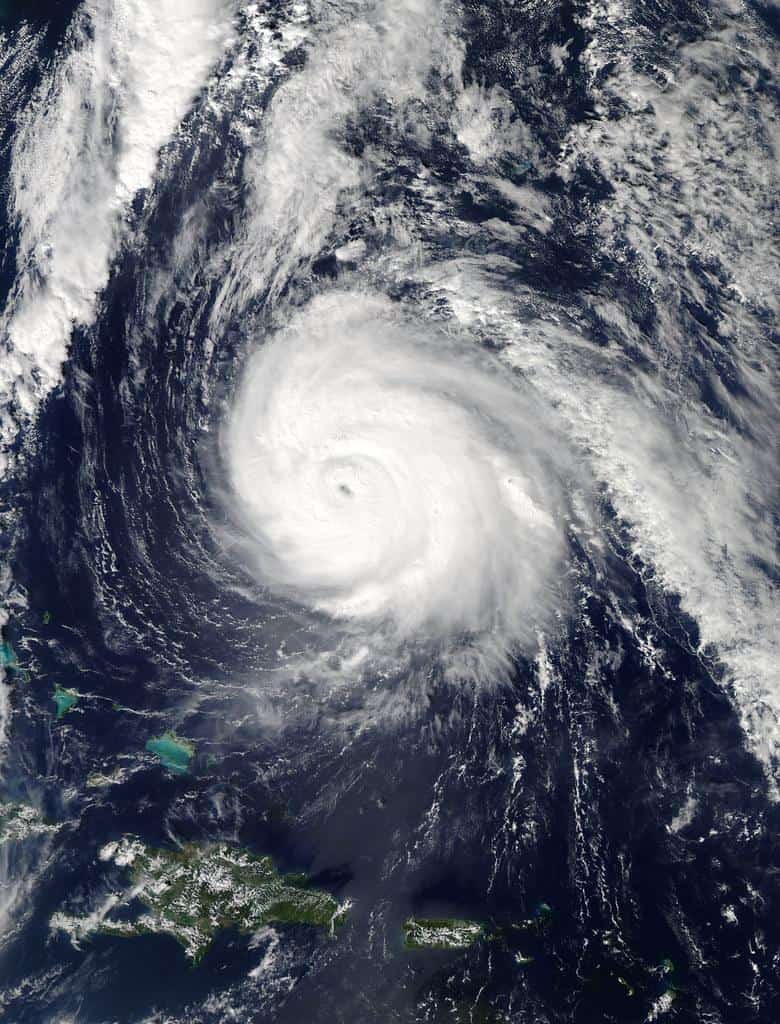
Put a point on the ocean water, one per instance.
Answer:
(388, 447)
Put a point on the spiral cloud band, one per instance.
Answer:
(389, 476)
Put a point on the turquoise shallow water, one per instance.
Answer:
(7, 656)
(578, 192)
(65, 700)
(174, 754)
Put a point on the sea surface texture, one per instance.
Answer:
(388, 512)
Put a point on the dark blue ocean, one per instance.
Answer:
(572, 741)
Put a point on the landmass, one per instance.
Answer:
(441, 933)
(194, 892)
(20, 821)
(97, 779)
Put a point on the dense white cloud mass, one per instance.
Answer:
(388, 474)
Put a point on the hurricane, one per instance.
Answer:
(388, 512)
(378, 465)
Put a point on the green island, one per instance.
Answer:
(97, 779)
(539, 922)
(20, 821)
(65, 700)
(174, 752)
(194, 892)
(441, 933)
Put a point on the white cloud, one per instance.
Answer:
(397, 480)
(86, 145)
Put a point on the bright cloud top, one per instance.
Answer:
(389, 475)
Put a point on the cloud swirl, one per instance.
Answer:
(388, 475)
